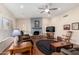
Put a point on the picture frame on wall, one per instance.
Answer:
(66, 27)
(75, 26)
(37, 23)
(5, 24)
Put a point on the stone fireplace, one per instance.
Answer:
(36, 25)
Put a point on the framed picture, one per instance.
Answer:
(75, 26)
(66, 27)
(5, 24)
(37, 23)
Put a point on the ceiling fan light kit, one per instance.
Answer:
(46, 10)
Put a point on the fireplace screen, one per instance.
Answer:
(36, 33)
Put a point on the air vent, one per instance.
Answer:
(65, 16)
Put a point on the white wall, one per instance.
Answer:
(59, 21)
(24, 24)
(45, 22)
(4, 12)
(4, 42)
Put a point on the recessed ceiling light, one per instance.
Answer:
(22, 6)
(65, 15)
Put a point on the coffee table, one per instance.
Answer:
(60, 44)
(25, 46)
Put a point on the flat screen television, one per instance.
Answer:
(50, 29)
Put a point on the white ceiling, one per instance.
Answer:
(31, 9)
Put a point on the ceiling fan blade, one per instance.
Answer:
(46, 6)
(41, 8)
(53, 8)
(41, 11)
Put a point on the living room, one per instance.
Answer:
(33, 19)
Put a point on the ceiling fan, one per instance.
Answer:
(47, 9)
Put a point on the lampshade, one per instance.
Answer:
(16, 32)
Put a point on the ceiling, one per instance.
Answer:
(31, 9)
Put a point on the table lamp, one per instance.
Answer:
(15, 34)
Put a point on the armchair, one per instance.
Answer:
(68, 36)
(50, 35)
(65, 37)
